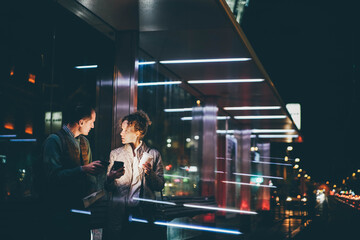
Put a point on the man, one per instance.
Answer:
(70, 174)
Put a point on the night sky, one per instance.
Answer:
(311, 52)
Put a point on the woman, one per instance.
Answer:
(133, 181)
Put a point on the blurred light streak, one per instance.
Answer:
(249, 184)
(219, 209)
(80, 211)
(153, 201)
(132, 219)
(195, 227)
(176, 176)
(22, 140)
(253, 175)
(281, 164)
(8, 136)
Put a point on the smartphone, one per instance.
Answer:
(117, 165)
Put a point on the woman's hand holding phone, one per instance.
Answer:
(117, 170)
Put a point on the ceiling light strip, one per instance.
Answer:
(278, 136)
(273, 163)
(147, 63)
(214, 60)
(86, 66)
(224, 81)
(178, 110)
(159, 83)
(260, 117)
(272, 130)
(252, 108)
(218, 118)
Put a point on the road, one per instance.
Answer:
(334, 220)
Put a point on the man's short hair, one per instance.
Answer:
(78, 111)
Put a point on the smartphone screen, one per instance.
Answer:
(117, 165)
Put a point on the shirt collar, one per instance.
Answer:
(66, 129)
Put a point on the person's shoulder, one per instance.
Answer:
(52, 137)
(117, 150)
(154, 151)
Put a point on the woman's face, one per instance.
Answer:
(128, 133)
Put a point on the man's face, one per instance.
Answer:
(86, 124)
(128, 133)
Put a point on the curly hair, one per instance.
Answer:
(139, 119)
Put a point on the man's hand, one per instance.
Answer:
(147, 168)
(113, 174)
(93, 168)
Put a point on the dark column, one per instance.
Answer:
(125, 79)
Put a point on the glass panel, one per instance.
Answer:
(171, 133)
(43, 44)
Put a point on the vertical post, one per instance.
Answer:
(209, 146)
(125, 79)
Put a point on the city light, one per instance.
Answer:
(289, 148)
(297, 159)
(31, 78)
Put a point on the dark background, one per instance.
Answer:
(311, 52)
